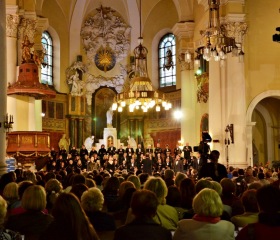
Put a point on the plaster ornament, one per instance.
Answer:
(105, 29)
(12, 22)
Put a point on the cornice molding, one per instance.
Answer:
(183, 30)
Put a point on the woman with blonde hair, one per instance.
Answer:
(33, 222)
(4, 233)
(53, 189)
(10, 194)
(206, 223)
(70, 221)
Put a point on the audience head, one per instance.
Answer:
(208, 203)
(173, 197)
(79, 189)
(22, 186)
(214, 156)
(92, 200)
(144, 204)
(201, 184)
(10, 192)
(90, 182)
(123, 186)
(112, 185)
(78, 178)
(34, 198)
(179, 177)
(217, 187)
(169, 174)
(135, 180)
(187, 190)
(228, 186)
(268, 198)
(53, 185)
(158, 186)
(3, 210)
(249, 201)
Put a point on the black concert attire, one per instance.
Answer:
(166, 150)
(101, 152)
(177, 151)
(158, 150)
(130, 152)
(111, 151)
(139, 152)
(187, 152)
(120, 153)
(92, 152)
(83, 152)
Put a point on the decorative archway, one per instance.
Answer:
(250, 124)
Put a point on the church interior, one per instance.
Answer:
(211, 67)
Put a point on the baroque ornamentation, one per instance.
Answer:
(92, 83)
(12, 22)
(106, 29)
(235, 30)
(185, 65)
(202, 92)
(27, 27)
(73, 74)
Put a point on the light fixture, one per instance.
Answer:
(217, 44)
(140, 93)
(8, 122)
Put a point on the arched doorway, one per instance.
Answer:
(263, 128)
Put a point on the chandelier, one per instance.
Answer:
(216, 43)
(140, 93)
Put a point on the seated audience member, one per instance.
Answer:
(187, 192)
(110, 193)
(169, 176)
(33, 222)
(78, 190)
(228, 197)
(5, 233)
(92, 202)
(10, 194)
(144, 207)
(206, 223)
(70, 221)
(53, 189)
(213, 169)
(166, 215)
(178, 179)
(268, 226)
(249, 201)
(135, 180)
(22, 186)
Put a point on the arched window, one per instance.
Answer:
(167, 60)
(47, 66)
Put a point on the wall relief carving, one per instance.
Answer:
(106, 29)
(202, 92)
(12, 22)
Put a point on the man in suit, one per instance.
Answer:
(187, 151)
(178, 164)
(149, 149)
(196, 162)
(129, 151)
(139, 153)
(111, 150)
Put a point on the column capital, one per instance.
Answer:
(183, 30)
(12, 22)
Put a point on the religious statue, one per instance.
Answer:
(77, 84)
(64, 143)
(109, 115)
(26, 50)
(89, 142)
(131, 141)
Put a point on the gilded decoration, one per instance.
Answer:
(55, 124)
(185, 65)
(105, 29)
(12, 22)
(202, 92)
(105, 59)
(235, 30)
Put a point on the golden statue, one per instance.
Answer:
(26, 50)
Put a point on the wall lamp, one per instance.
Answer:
(8, 122)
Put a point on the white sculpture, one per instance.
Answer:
(132, 142)
(89, 142)
(109, 115)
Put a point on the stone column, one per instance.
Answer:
(184, 34)
(3, 81)
(12, 19)
(216, 128)
(80, 128)
(72, 131)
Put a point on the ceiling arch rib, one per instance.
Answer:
(184, 9)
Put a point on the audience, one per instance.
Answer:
(70, 221)
(144, 205)
(206, 223)
(33, 222)
(268, 225)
